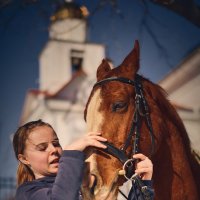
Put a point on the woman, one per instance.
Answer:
(46, 171)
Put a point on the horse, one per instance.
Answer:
(111, 109)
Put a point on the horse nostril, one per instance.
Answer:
(93, 183)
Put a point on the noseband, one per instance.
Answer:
(141, 111)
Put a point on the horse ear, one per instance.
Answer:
(131, 62)
(103, 69)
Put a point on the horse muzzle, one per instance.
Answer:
(94, 187)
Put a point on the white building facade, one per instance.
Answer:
(68, 65)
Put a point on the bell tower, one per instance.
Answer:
(69, 23)
(67, 50)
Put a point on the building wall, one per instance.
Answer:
(183, 87)
(191, 121)
(55, 63)
(69, 30)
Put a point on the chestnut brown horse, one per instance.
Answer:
(111, 110)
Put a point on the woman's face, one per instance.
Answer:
(42, 151)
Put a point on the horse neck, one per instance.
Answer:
(176, 172)
(176, 161)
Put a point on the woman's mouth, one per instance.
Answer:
(55, 161)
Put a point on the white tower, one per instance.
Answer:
(67, 52)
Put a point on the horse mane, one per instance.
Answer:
(160, 96)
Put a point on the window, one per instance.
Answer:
(76, 60)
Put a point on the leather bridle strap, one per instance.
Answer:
(120, 79)
(140, 103)
(146, 113)
(114, 151)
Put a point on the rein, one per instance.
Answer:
(141, 111)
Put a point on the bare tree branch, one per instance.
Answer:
(114, 6)
(185, 8)
(145, 25)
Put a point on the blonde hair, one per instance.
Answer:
(24, 172)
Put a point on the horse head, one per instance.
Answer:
(111, 109)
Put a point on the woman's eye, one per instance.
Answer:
(56, 144)
(42, 147)
(118, 106)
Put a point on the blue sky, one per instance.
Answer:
(23, 38)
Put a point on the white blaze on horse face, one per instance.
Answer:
(94, 123)
(94, 120)
(94, 117)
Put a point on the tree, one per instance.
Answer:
(188, 9)
(185, 8)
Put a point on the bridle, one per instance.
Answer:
(141, 111)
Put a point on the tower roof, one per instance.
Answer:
(69, 10)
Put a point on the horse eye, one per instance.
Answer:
(118, 106)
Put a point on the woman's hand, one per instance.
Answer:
(93, 139)
(144, 167)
